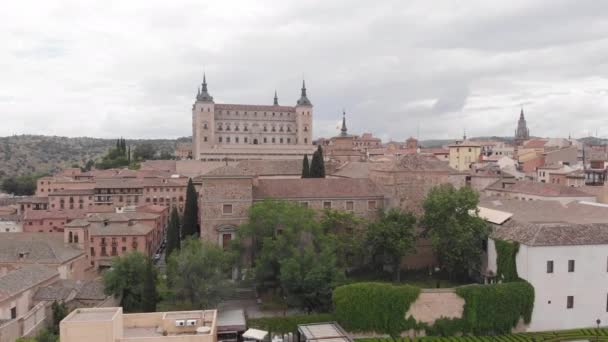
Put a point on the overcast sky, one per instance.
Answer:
(131, 68)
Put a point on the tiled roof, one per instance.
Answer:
(271, 167)
(414, 162)
(151, 208)
(315, 188)
(36, 247)
(75, 192)
(535, 143)
(227, 171)
(33, 199)
(24, 278)
(99, 229)
(353, 170)
(120, 217)
(64, 289)
(552, 234)
(263, 108)
(45, 214)
(118, 183)
(543, 211)
(539, 189)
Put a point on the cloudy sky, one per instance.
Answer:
(131, 68)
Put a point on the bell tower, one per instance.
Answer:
(203, 121)
(304, 118)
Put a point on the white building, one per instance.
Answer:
(566, 262)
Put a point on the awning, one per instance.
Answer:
(255, 334)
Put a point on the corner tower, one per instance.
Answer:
(304, 118)
(203, 121)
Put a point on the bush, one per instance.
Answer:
(506, 267)
(496, 309)
(287, 324)
(375, 307)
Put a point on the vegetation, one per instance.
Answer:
(392, 237)
(291, 254)
(173, 234)
(305, 167)
(374, 307)
(43, 335)
(126, 280)
(21, 185)
(457, 236)
(144, 151)
(317, 166)
(119, 156)
(287, 324)
(496, 308)
(59, 310)
(190, 220)
(198, 274)
(506, 267)
(150, 294)
(347, 233)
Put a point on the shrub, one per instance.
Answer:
(375, 307)
(506, 267)
(287, 324)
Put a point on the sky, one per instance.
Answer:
(429, 69)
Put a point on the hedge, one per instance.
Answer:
(287, 324)
(375, 307)
(506, 267)
(495, 309)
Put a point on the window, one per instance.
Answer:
(371, 205)
(264, 140)
(327, 205)
(227, 209)
(281, 140)
(550, 266)
(227, 139)
(273, 140)
(92, 251)
(570, 265)
(220, 139)
(304, 204)
(124, 249)
(350, 205)
(570, 302)
(236, 139)
(14, 313)
(205, 139)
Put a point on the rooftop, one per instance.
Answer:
(92, 314)
(24, 278)
(315, 188)
(36, 248)
(414, 162)
(538, 189)
(114, 228)
(244, 107)
(329, 332)
(552, 233)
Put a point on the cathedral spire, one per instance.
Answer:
(276, 98)
(304, 101)
(203, 94)
(521, 114)
(343, 130)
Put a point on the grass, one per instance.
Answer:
(590, 334)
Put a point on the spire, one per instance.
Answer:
(304, 101)
(343, 130)
(521, 114)
(203, 94)
(276, 98)
(464, 134)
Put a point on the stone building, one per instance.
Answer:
(522, 133)
(237, 131)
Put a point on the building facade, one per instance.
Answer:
(237, 131)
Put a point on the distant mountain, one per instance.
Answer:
(24, 154)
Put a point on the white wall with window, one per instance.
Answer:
(570, 283)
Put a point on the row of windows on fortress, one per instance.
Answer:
(273, 128)
(246, 140)
(266, 114)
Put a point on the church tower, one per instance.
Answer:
(521, 133)
(203, 120)
(304, 118)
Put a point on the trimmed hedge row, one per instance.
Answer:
(495, 309)
(287, 324)
(377, 307)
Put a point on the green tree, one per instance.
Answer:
(125, 280)
(150, 296)
(305, 167)
(60, 310)
(144, 151)
(198, 274)
(317, 166)
(173, 234)
(457, 235)
(347, 233)
(24, 185)
(393, 236)
(309, 276)
(190, 219)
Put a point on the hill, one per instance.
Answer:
(25, 154)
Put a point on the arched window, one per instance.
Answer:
(76, 238)
(70, 237)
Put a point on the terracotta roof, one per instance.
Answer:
(535, 143)
(539, 211)
(539, 189)
(121, 217)
(263, 108)
(315, 188)
(66, 289)
(36, 247)
(552, 234)
(353, 170)
(271, 167)
(118, 183)
(435, 150)
(414, 162)
(75, 192)
(151, 208)
(24, 278)
(44, 214)
(33, 199)
(227, 171)
(99, 229)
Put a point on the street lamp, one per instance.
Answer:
(597, 333)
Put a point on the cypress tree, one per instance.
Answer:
(189, 226)
(321, 173)
(314, 165)
(305, 167)
(173, 241)
(150, 296)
